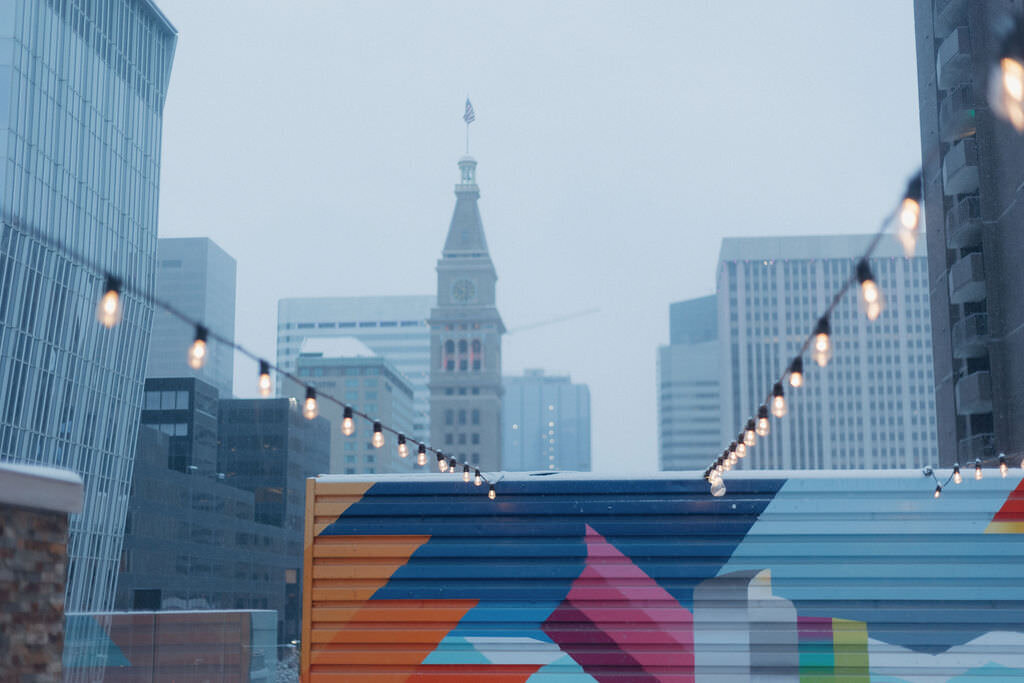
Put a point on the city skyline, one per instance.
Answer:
(382, 197)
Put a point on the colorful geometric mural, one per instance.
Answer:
(569, 579)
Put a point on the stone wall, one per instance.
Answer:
(34, 507)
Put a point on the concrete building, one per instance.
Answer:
(873, 405)
(192, 542)
(394, 327)
(973, 170)
(350, 371)
(545, 424)
(465, 337)
(82, 89)
(197, 277)
(689, 427)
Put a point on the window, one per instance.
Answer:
(449, 417)
(462, 417)
(476, 417)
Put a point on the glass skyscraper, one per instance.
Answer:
(82, 89)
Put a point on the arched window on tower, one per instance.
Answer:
(463, 355)
(448, 356)
(476, 355)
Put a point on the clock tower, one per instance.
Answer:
(465, 338)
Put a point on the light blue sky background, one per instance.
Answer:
(618, 143)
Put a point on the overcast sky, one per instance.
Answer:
(618, 143)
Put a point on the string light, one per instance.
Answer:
(796, 372)
(403, 449)
(421, 455)
(466, 476)
(957, 479)
(778, 401)
(910, 216)
(378, 435)
(309, 407)
(442, 462)
(750, 434)
(477, 478)
(264, 381)
(1003, 469)
(197, 352)
(733, 455)
(741, 448)
(977, 469)
(1006, 79)
(452, 464)
(938, 490)
(763, 423)
(109, 309)
(718, 488)
(870, 295)
(822, 347)
(491, 493)
(348, 425)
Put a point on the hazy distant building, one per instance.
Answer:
(465, 337)
(689, 428)
(394, 327)
(973, 171)
(545, 424)
(82, 87)
(197, 278)
(873, 405)
(192, 542)
(350, 371)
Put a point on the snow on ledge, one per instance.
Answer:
(45, 488)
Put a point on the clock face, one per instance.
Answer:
(463, 291)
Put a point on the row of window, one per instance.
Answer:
(450, 417)
(368, 323)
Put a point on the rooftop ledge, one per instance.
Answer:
(44, 488)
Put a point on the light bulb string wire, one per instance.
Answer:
(128, 286)
(850, 282)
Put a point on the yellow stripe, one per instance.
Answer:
(850, 647)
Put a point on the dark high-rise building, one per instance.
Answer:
(465, 338)
(185, 410)
(973, 169)
(192, 543)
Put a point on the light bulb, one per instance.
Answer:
(750, 434)
(309, 407)
(977, 469)
(452, 464)
(741, 449)
(733, 455)
(264, 381)
(477, 478)
(466, 476)
(778, 401)
(763, 424)
(822, 345)
(421, 456)
(957, 479)
(491, 493)
(1003, 469)
(109, 309)
(403, 449)
(796, 372)
(727, 464)
(718, 488)
(348, 425)
(870, 295)
(197, 352)
(910, 216)
(442, 462)
(378, 435)
(1013, 78)
(938, 490)
(1006, 90)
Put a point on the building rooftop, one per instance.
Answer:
(805, 247)
(336, 347)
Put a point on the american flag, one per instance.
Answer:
(469, 117)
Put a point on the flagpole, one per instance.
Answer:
(467, 138)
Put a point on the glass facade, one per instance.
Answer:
(545, 424)
(82, 89)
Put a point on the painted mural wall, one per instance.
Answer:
(565, 579)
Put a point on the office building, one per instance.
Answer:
(394, 327)
(83, 88)
(185, 410)
(197, 278)
(972, 172)
(545, 423)
(192, 543)
(872, 406)
(689, 427)
(465, 337)
(350, 371)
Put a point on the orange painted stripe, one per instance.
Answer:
(1005, 528)
(307, 581)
